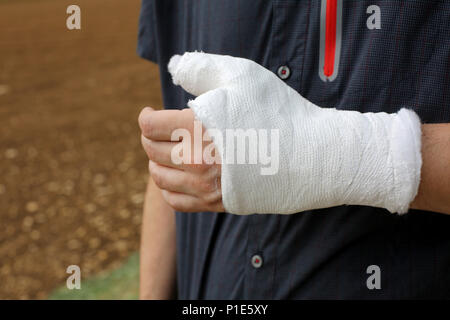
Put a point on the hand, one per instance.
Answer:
(186, 187)
(319, 157)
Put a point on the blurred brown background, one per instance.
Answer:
(72, 171)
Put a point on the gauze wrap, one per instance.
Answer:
(327, 157)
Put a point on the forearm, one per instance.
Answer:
(157, 266)
(434, 188)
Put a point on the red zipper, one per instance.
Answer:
(330, 37)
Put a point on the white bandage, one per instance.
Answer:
(327, 157)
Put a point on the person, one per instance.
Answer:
(347, 55)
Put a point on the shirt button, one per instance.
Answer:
(257, 261)
(284, 72)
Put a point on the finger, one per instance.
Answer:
(199, 72)
(160, 152)
(144, 112)
(187, 203)
(159, 125)
(180, 181)
(182, 202)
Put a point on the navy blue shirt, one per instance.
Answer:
(396, 55)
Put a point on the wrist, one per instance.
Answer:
(381, 159)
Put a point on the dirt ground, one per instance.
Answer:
(72, 172)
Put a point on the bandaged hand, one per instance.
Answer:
(327, 157)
